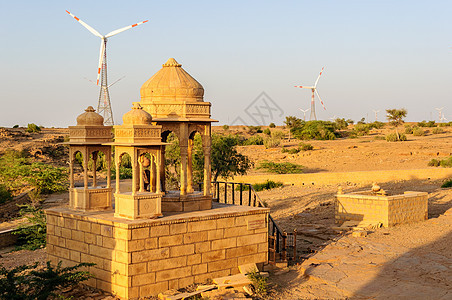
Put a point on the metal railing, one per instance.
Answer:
(244, 194)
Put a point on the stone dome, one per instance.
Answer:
(172, 82)
(137, 116)
(90, 117)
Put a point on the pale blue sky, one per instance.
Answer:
(377, 55)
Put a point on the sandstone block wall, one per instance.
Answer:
(359, 177)
(141, 258)
(388, 210)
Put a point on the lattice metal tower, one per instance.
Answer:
(104, 104)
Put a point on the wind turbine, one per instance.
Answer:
(304, 113)
(104, 104)
(440, 113)
(314, 91)
(376, 114)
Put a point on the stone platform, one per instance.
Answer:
(371, 208)
(172, 201)
(138, 258)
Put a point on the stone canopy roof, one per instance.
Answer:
(172, 82)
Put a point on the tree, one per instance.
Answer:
(395, 118)
(226, 161)
(293, 122)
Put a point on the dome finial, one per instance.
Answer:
(172, 63)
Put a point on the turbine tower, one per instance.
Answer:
(304, 113)
(376, 114)
(439, 113)
(104, 104)
(314, 91)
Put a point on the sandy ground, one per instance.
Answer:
(402, 262)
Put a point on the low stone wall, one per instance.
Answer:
(138, 258)
(388, 210)
(359, 177)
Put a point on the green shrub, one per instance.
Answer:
(271, 142)
(318, 130)
(281, 168)
(267, 131)
(5, 194)
(124, 173)
(267, 185)
(259, 283)
(28, 282)
(226, 127)
(254, 140)
(379, 137)
(274, 140)
(408, 129)
(361, 129)
(254, 129)
(434, 163)
(306, 146)
(226, 161)
(291, 151)
(272, 125)
(445, 163)
(417, 131)
(447, 184)
(426, 124)
(33, 128)
(340, 123)
(32, 235)
(392, 137)
(437, 130)
(376, 125)
(16, 170)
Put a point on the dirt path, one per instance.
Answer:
(411, 261)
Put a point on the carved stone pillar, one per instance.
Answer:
(141, 175)
(85, 168)
(207, 171)
(190, 166)
(71, 170)
(158, 163)
(94, 169)
(133, 159)
(162, 169)
(108, 158)
(183, 170)
(152, 172)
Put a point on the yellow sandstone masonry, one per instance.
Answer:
(360, 177)
(387, 210)
(140, 258)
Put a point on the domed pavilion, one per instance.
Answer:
(88, 138)
(176, 101)
(141, 140)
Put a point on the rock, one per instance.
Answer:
(359, 233)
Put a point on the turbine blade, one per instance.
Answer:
(91, 29)
(315, 85)
(304, 87)
(116, 81)
(114, 32)
(101, 59)
(90, 80)
(320, 99)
